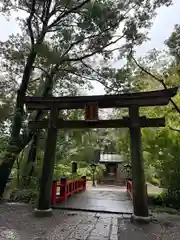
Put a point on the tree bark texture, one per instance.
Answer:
(138, 178)
(13, 148)
(44, 201)
(26, 180)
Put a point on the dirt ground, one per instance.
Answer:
(18, 223)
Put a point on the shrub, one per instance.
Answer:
(23, 195)
(65, 170)
(171, 198)
(155, 181)
(62, 170)
(168, 198)
(156, 199)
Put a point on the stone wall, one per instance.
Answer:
(121, 173)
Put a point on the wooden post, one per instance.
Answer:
(53, 195)
(91, 111)
(84, 182)
(138, 178)
(63, 188)
(44, 201)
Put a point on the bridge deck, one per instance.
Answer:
(110, 199)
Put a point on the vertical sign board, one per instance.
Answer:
(91, 112)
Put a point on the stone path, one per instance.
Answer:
(153, 189)
(18, 223)
(107, 199)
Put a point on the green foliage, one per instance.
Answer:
(62, 170)
(54, 55)
(156, 199)
(123, 145)
(154, 181)
(163, 153)
(23, 195)
(3, 142)
(171, 198)
(173, 43)
(75, 36)
(160, 146)
(168, 198)
(160, 150)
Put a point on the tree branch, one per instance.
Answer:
(174, 129)
(55, 68)
(87, 78)
(43, 70)
(34, 80)
(161, 81)
(85, 38)
(67, 12)
(98, 74)
(29, 24)
(45, 16)
(92, 53)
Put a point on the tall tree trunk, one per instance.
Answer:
(27, 174)
(28, 169)
(13, 147)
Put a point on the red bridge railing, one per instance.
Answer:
(65, 188)
(129, 188)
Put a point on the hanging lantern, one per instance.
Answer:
(91, 112)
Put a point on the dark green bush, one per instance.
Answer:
(155, 181)
(156, 199)
(171, 198)
(65, 170)
(23, 195)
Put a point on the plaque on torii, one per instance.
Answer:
(91, 111)
(91, 104)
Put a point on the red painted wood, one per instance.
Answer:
(129, 188)
(91, 111)
(84, 182)
(53, 194)
(67, 188)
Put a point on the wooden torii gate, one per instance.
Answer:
(91, 104)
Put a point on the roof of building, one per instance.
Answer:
(111, 158)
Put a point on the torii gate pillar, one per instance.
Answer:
(138, 177)
(44, 201)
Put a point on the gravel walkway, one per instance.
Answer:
(18, 223)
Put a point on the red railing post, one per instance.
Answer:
(70, 187)
(67, 188)
(73, 187)
(84, 182)
(80, 184)
(129, 188)
(53, 193)
(76, 185)
(63, 194)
